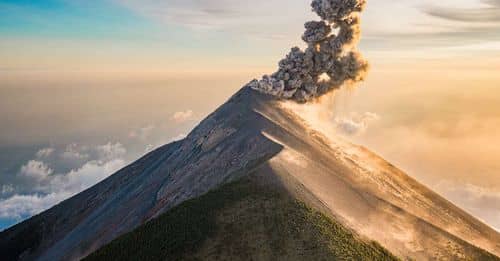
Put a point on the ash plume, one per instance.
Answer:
(331, 52)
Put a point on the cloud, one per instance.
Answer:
(44, 153)
(249, 19)
(194, 13)
(479, 201)
(355, 124)
(435, 135)
(177, 138)
(142, 133)
(215, 14)
(418, 22)
(149, 148)
(487, 13)
(48, 187)
(19, 206)
(88, 175)
(7, 189)
(425, 24)
(489, 46)
(111, 151)
(75, 152)
(455, 24)
(182, 116)
(36, 170)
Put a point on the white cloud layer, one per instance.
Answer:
(50, 188)
(20, 206)
(142, 133)
(479, 201)
(6, 189)
(409, 23)
(36, 170)
(182, 116)
(75, 152)
(111, 151)
(88, 175)
(44, 153)
(355, 124)
(216, 14)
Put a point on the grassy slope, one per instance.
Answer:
(242, 221)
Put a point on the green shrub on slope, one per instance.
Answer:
(242, 221)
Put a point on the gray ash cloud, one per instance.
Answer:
(330, 59)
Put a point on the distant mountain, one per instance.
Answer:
(254, 181)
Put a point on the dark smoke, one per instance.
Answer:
(300, 74)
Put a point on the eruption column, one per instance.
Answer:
(299, 76)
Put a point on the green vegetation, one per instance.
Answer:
(242, 221)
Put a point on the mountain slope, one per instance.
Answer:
(250, 219)
(345, 182)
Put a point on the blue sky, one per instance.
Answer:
(68, 19)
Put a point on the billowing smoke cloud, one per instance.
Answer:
(330, 60)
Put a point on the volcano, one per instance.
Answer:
(254, 181)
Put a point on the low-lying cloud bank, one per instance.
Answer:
(55, 173)
(481, 202)
(49, 187)
(183, 116)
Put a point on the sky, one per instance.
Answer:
(86, 87)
